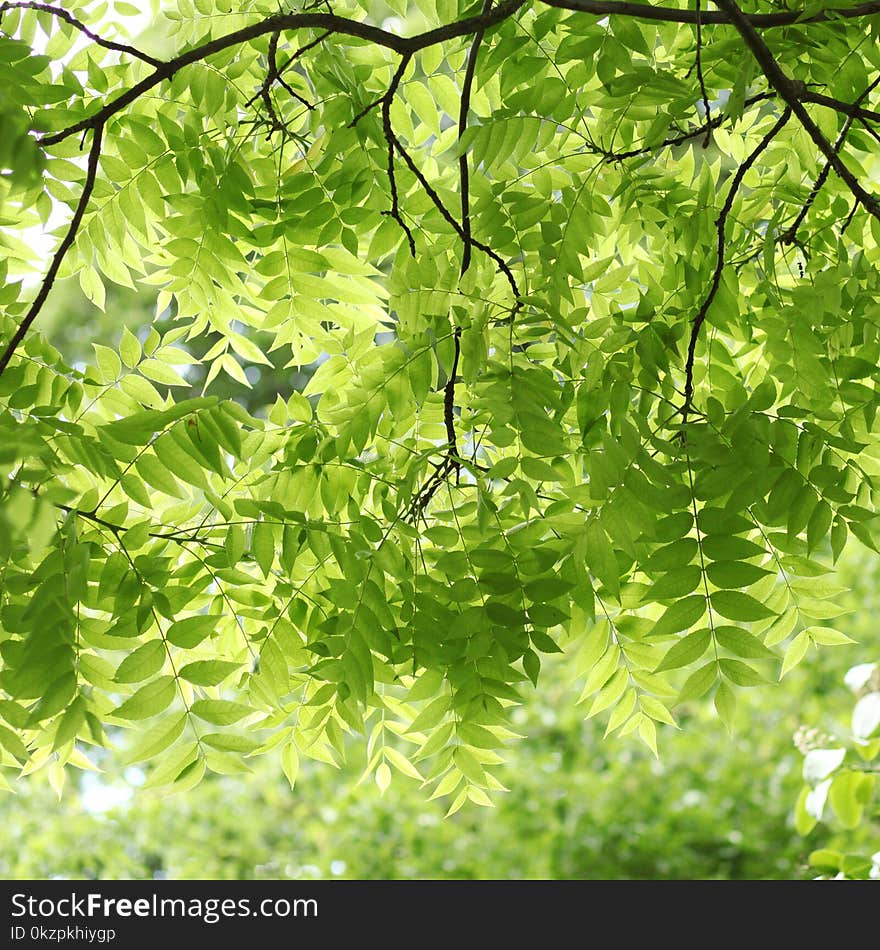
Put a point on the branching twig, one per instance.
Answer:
(789, 236)
(720, 223)
(328, 22)
(792, 93)
(390, 140)
(62, 14)
(644, 11)
(704, 129)
(852, 109)
(464, 172)
(700, 77)
(273, 75)
(60, 253)
(451, 463)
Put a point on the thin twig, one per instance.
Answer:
(792, 92)
(789, 236)
(700, 78)
(63, 248)
(62, 14)
(720, 224)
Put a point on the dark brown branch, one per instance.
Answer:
(328, 22)
(700, 78)
(503, 266)
(390, 139)
(720, 224)
(449, 403)
(464, 172)
(118, 529)
(704, 129)
(643, 11)
(789, 236)
(304, 49)
(62, 14)
(852, 109)
(791, 92)
(63, 248)
(264, 93)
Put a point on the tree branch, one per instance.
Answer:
(643, 11)
(68, 239)
(328, 22)
(700, 78)
(791, 93)
(789, 236)
(852, 109)
(390, 140)
(704, 129)
(62, 14)
(721, 223)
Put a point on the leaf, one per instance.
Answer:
(686, 651)
(155, 740)
(129, 348)
(795, 652)
(725, 705)
(699, 682)
(736, 605)
(849, 793)
(828, 636)
(804, 822)
(108, 362)
(675, 584)
(290, 763)
(220, 712)
(741, 673)
(734, 574)
(383, 777)
(401, 763)
(682, 615)
(191, 631)
(208, 672)
(263, 546)
(601, 559)
(742, 643)
(149, 700)
(142, 663)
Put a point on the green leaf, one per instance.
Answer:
(290, 763)
(725, 705)
(736, 605)
(191, 631)
(795, 652)
(149, 700)
(142, 663)
(129, 348)
(734, 574)
(156, 739)
(108, 362)
(220, 712)
(686, 651)
(208, 672)
(682, 615)
(742, 643)
(699, 682)
(263, 546)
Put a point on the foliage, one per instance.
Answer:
(840, 783)
(590, 296)
(578, 808)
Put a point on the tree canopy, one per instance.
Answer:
(586, 297)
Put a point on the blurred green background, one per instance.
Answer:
(578, 806)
